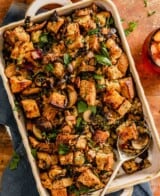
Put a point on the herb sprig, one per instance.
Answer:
(15, 161)
(131, 27)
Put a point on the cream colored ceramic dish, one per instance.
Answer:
(123, 180)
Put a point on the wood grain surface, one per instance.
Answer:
(130, 10)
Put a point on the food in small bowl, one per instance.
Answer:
(151, 50)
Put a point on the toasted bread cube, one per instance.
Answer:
(124, 108)
(58, 99)
(45, 180)
(100, 136)
(73, 30)
(30, 108)
(88, 91)
(35, 35)
(79, 158)
(89, 179)
(94, 42)
(123, 63)
(104, 161)
(81, 142)
(58, 70)
(127, 131)
(130, 166)
(102, 17)
(113, 85)
(18, 34)
(20, 49)
(86, 22)
(114, 73)
(66, 159)
(49, 112)
(62, 183)
(19, 83)
(84, 67)
(59, 192)
(77, 43)
(114, 98)
(10, 70)
(127, 88)
(55, 26)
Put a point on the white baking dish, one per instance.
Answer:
(123, 180)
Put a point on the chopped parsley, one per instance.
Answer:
(34, 152)
(98, 77)
(14, 162)
(67, 59)
(110, 21)
(131, 27)
(93, 31)
(49, 67)
(63, 149)
(82, 106)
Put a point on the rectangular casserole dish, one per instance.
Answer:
(123, 180)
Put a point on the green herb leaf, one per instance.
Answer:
(82, 106)
(78, 122)
(63, 149)
(103, 60)
(34, 152)
(104, 51)
(122, 19)
(68, 41)
(151, 13)
(101, 86)
(79, 191)
(67, 59)
(53, 135)
(110, 21)
(16, 106)
(98, 77)
(15, 161)
(93, 31)
(145, 3)
(49, 67)
(93, 109)
(43, 38)
(131, 27)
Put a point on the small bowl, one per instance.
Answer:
(151, 50)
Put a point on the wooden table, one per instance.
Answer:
(130, 10)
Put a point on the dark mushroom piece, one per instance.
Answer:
(72, 96)
(44, 124)
(142, 141)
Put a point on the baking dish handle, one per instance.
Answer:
(37, 4)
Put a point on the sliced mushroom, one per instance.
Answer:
(87, 115)
(40, 79)
(142, 141)
(36, 27)
(44, 124)
(44, 160)
(37, 133)
(72, 96)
